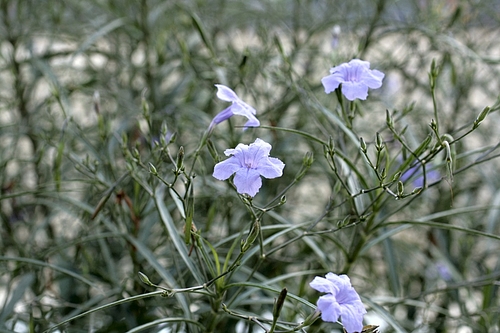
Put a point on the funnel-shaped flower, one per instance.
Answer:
(355, 76)
(341, 300)
(237, 107)
(248, 163)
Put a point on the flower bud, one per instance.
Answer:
(379, 142)
(252, 235)
(401, 188)
(97, 102)
(164, 128)
(388, 119)
(396, 176)
(331, 144)
(312, 318)
(278, 304)
(362, 145)
(481, 117)
(180, 159)
(433, 124)
(152, 169)
(145, 107)
(144, 278)
(383, 173)
(308, 159)
(416, 190)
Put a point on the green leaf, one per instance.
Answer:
(16, 295)
(178, 241)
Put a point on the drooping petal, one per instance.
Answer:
(353, 90)
(226, 94)
(252, 122)
(247, 181)
(223, 170)
(243, 109)
(238, 107)
(352, 317)
(329, 307)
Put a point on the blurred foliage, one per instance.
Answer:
(99, 96)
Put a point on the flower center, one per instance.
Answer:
(353, 74)
(249, 165)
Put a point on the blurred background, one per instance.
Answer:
(94, 92)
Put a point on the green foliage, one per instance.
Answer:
(111, 220)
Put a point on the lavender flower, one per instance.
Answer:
(431, 175)
(355, 76)
(248, 163)
(341, 300)
(237, 107)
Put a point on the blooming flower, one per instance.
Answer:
(248, 163)
(355, 76)
(341, 300)
(237, 107)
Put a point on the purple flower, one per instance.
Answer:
(237, 107)
(341, 300)
(444, 271)
(248, 163)
(355, 76)
(431, 175)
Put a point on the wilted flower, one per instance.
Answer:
(248, 163)
(237, 107)
(355, 76)
(341, 300)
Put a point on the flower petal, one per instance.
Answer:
(252, 122)
(373, 79)
(324, 285)
(223, 170)
(249, 163)
(330, 309)
(221, 116)
(355, 76)
(341, 300)
(352, 316)
(226, 94)
(258, 150)
(271, 168)
(359, 63)
(243, 109)
(353, 90)
(247, 181)
(332, 82)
